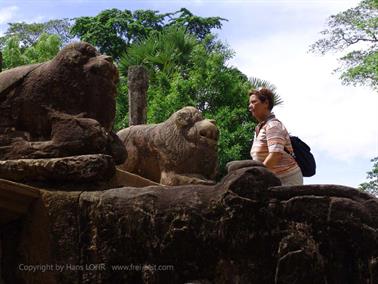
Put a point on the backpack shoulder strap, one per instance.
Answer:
(287, 150)
(263, 124)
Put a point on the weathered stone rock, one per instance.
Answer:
(75, 169)
(243, 230)
(181, 150)
(299, 260)
(77, 80)
(137, 81)
(122, 179)
(42, 107)
(70, 135)
(30, 245)
(15, 200)
(235, 165)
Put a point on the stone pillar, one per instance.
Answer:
(138, 85)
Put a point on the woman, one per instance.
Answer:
(272, 139)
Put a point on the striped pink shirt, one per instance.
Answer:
(273, 137)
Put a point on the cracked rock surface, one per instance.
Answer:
(245, 229)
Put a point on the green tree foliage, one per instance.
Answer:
(122, 105)
(355, 28)
(372, 185)
(185, 71)
(45, 48)
(197, 26)
(29, 34)
(186, 64)
(113, 30)
(12, 54)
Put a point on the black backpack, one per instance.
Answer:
(302, 154)
(303, 157)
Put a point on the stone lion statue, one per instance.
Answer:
(181, 150)
(63, 107)
(69, 100)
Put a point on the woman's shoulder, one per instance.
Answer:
(274, 123)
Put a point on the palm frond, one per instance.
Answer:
(259, 83)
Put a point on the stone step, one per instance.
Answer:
(15, 200)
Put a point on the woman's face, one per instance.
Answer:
(258, 109)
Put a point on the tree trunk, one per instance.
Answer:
(138, 85)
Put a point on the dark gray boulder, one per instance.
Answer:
(245, 229)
